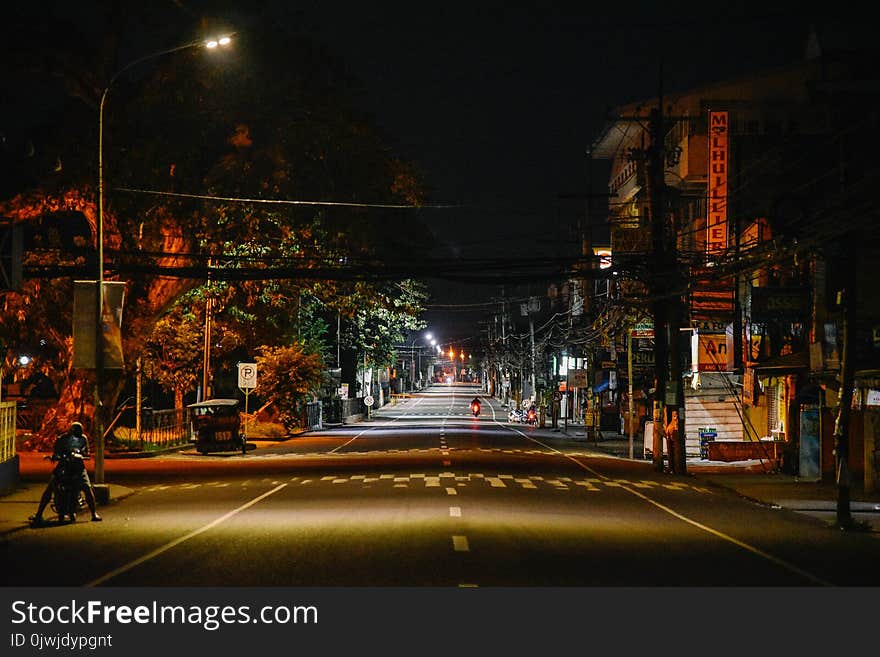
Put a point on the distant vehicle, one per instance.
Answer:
(217, 424)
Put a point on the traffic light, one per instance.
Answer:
(11, 251)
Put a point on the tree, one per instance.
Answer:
(287, 375)
(172, 355)
(187, 124)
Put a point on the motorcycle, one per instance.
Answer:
(67, 495)
(475, 409)
(532, 417)
(515, 415)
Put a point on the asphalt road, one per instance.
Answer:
(423, 494)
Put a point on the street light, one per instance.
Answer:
(99, 239)
(412, 351)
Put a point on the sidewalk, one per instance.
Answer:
(750, 480)
(19, 505)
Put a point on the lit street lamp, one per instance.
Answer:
(99, 238)
(412, 353)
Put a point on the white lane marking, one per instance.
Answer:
(495, 482)
(451, 491)
(460, 544)
(735, 541)
(455, 512)
(177, 541)
(375, 428)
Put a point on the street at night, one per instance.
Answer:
(424, 494)
(512, 323)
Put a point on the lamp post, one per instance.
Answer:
(412, 353)
(99, 239)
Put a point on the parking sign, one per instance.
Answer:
(247, 375)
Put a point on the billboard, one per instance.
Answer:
(719, 155)
(84, 333)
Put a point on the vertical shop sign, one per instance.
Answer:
(719, 150)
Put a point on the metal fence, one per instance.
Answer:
(7, 431)
(161, 429)
(312, 415)
(335, 411)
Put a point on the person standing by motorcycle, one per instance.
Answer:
(74, 440)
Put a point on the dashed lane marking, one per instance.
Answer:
(455, 512)
(460, 544)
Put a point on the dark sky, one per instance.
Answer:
(497, 105)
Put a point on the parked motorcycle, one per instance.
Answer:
(67, 496)
(515, 415)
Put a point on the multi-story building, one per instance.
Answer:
(770, 215)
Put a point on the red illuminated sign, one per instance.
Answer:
(719, 152)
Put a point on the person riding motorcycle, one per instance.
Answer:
(74, 440)
(475, 406)
(532, 414)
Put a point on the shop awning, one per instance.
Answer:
(788, 364)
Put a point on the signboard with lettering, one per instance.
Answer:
(247, 375)
(719, 148)
(709, 351)
(578, 378)
(643, 330)
(774, 303)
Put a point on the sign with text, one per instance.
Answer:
(247, 375)
(84, 334)
(719, 151)
(780, 303)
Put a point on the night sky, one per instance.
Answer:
(497, 105)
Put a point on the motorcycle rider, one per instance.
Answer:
(72, 440)
(475, 405)
(532, 413)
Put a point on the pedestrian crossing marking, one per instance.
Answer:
(451, 481)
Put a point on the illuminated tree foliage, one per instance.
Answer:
(271, 120)
(287, 375)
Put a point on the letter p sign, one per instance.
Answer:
(247, 375)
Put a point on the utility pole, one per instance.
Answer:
(666, 299)
(532, 335)
(843, 475)
(659, 271)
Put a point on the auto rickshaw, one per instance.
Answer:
(216, 426)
